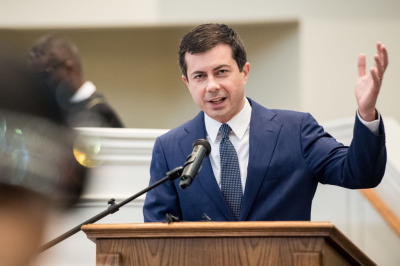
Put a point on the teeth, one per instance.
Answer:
(217, 100)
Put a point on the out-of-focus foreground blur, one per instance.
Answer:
(38, 171)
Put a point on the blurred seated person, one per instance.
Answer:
(57, 61)
(38, 171)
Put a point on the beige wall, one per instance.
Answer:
(302, 53)
(137, 68)
(329, 51)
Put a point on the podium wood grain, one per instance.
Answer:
(223, 243)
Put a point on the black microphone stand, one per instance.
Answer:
(171, 175)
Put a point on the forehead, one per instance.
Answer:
(219, 55)
(40, 60)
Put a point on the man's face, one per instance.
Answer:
(50, 71)
(215, 82)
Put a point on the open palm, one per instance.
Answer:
(368, 85)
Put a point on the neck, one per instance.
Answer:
(75, 83)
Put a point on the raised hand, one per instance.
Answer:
(368, 85)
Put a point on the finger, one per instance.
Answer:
(376, 80)
(384, 56)
(379, 66)
(378, 46)
(379, 50)
(361, 65)
(382, 52)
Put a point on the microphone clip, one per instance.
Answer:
(175, 173)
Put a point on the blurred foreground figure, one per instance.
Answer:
(38, 170)
(57, 62)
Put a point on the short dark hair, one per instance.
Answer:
(57, 47)
(205, 37)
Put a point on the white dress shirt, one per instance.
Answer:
(84, 92)
(239, 136)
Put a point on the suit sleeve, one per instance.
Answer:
(106, 116)
(164, 198)
(361, 165)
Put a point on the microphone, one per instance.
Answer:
(201, 149)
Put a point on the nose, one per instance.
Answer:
(212, 85)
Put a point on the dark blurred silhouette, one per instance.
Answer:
(56, 60)
(38, 170)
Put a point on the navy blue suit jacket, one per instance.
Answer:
(289, 155)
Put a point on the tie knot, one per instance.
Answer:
(225, 129)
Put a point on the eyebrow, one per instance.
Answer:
(222, 66)
(216, 68)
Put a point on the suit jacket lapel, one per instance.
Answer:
(264, 132)
(196, 130)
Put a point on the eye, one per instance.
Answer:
(198, 76)
(222, 71)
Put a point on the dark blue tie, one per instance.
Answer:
(231, 184)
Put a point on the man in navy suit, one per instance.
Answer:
(282, 154)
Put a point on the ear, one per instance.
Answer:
(185, 80)
(246, 70)
(69, 65)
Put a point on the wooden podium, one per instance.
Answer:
(223, 243)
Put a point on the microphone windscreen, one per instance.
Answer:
(204, 143)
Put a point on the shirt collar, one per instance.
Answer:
(84, 92)
(239, 123)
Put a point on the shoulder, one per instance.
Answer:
(196, 124)
(96, 100)
(260, 112)
(98, 103)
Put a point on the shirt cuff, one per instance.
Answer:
(373, 125)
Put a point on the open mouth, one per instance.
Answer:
(217, 100)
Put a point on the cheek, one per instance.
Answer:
(54, 79)
(239, 87)
(51, 83)
(197, 93)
